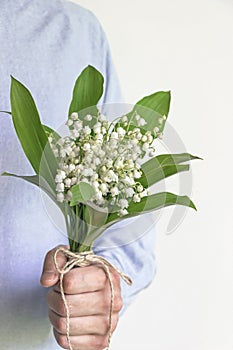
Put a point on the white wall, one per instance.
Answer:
(185, 46)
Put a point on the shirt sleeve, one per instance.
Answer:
(130, 247)
(131, 253)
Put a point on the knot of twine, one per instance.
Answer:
(83, 260)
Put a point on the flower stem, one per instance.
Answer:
(77, 247)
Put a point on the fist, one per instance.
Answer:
(88, 297)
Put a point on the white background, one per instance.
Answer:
(186, 47)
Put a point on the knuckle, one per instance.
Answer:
(103, 342)
(99, 342)
(115, 320)
(100, 278)
(105, 324)
(68, 284)
(61, 340)
(62, 310)
(49, 256)
(61, 325)
(51, 252)
(116, 278)
(118, 303)
(59, 306)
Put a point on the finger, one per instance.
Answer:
(82, 342)
(92, 325)
(83, 280)
(85, 304)
(50, 276)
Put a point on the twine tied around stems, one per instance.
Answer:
(83, 260)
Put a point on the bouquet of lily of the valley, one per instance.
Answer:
(100, 172)
(96, 174)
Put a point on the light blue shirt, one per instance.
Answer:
(45, 44)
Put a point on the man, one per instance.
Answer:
(45, 44)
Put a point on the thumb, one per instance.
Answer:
(50, 275)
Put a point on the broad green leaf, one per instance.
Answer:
(87, 91)
(27, 123)
(81, 192)
(147, 204)
(154, 202)
(31, 133)
(95, 218)
(154, 109)
(159, 200)
(166, 159)
(158, 102)
(155, 175)
(162, 166)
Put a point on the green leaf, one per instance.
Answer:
(165, 159)
(156, 175)
(31, 133)
(27, 123)
(158, 102)
(95, 217)
(154, 202)
(87, 91)
(160, 200)
(162, 166)
(154, 109)
(81, 192)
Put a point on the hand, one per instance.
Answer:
(88, 297)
